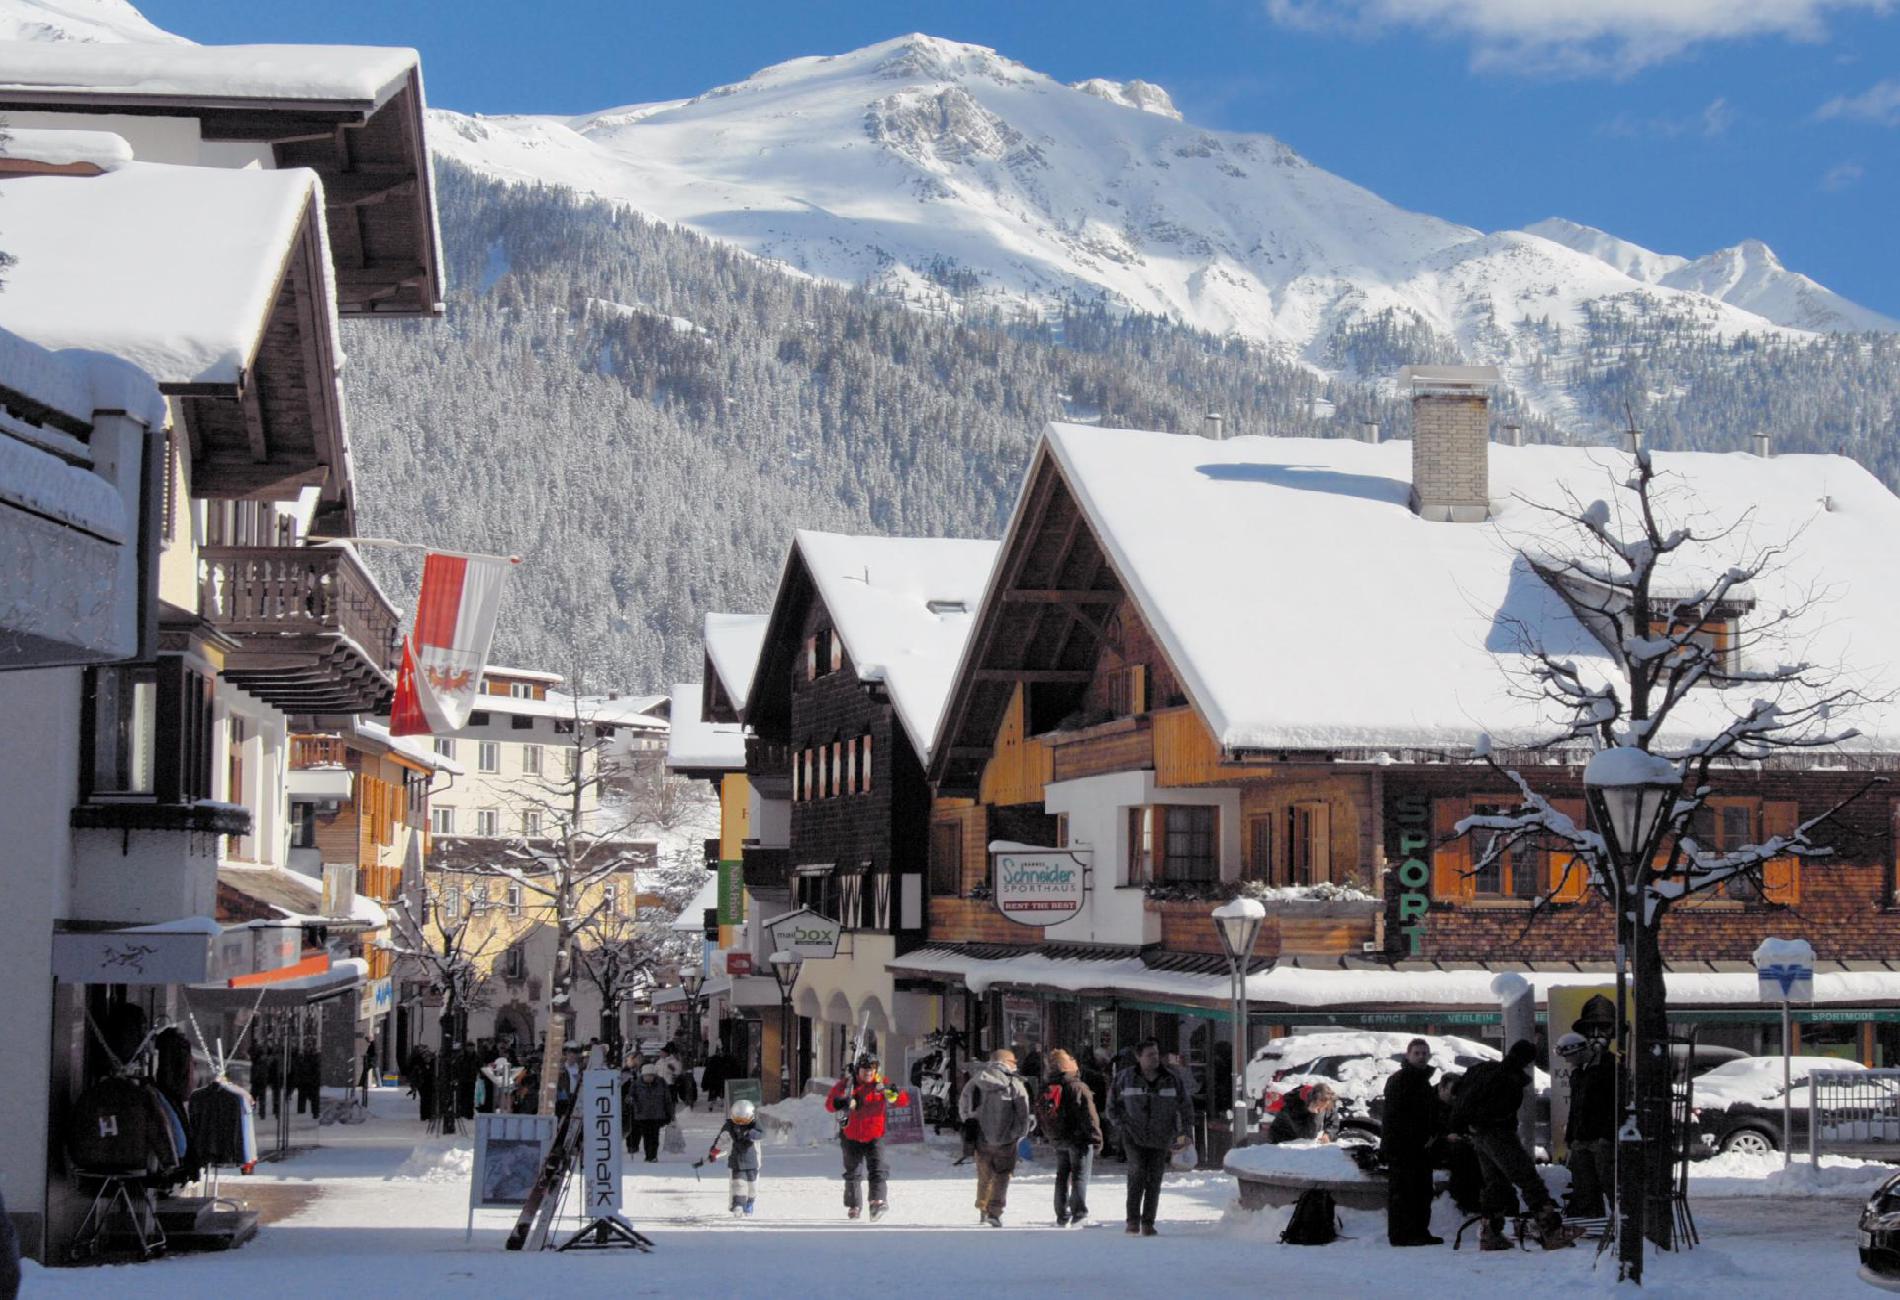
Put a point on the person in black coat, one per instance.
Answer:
(1305, 1113)
(1408, 1127)
(1590, 1128)
(1488, 1106)
(1451, 1150)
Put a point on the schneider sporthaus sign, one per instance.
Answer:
(1038, 886)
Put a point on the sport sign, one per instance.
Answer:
(805, 934)
(1784, 970)
(1038, 886)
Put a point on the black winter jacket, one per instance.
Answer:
(1489, 1098)
(1592, 1103)
(1071, 1116)
(1410, 1120)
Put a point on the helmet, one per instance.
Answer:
(1572, 1045)
(741, 1112)
(867, 1061)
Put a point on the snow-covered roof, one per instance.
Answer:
(692, 916)
(1294, 986)
(904, 607)
(596, 709)
(146, 71)
(78, 382)
(732, 645)
(298, 897)
(415, 749)
(494, 671)
(173, 269)
(1305, 606)
(696, 744)
(622, 710)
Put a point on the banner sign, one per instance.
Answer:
(600, 1142)
(1037, 886)
(805, 934)
(444, 657)
(731, 893)
(905, 1124)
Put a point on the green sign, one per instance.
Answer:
(731, 893)
(743, 1090)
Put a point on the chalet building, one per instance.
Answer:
(1262, 666)
(509, 803)
(851, 674)
(150, 736)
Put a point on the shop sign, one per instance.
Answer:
(1410, 817)
(600, 1142)
(509, 1151)
(732, 893)
(1038, 886)
(805, 934)
(133, 956)
(375, 999)
(738, 963)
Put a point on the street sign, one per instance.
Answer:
(805, 934)
(1784, 970)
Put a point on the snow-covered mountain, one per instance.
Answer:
(920, 162)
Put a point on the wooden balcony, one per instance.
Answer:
(1295, 928)
(316, 751)
(768, 765)
(314, 634)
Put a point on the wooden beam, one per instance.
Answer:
(377, 275)
(360, 189)
(1057, 596)
(254, 431)
(976, 753)
(1059, 676)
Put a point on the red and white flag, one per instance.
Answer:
(444, 657)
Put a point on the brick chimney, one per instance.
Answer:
(1451, 434)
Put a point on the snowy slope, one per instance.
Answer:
(1748, 276)
(902, 163)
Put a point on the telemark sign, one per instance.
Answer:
(1038, 886)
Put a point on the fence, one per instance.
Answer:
(1855, 1113)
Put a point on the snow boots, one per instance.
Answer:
(1491, 1235)
(1552, 1233)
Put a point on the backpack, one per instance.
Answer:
(1315, 1220)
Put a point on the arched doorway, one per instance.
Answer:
(514, 1030)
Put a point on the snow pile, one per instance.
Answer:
(799, 1122)
(1735, 1173)
(445, 1160)
(1327, 1160)
(1325, 892)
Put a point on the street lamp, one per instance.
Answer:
(1238, 924)
(692, 980)
(1631, 793)
(785, 968)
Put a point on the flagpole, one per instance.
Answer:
(393, 545)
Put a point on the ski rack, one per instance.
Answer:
(544, 1198)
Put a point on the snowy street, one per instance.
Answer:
(389, 1208)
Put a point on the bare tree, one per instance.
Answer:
(624, 952)
(1697, 682)
(425, 938)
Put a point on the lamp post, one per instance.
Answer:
(1238, 924)
(785, 968)
(1631, 793)
(692, 980)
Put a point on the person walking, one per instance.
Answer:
(1074, 1129)
(650, 1103)
(1152, 1108)
(368, 1075)
(864, 1099)
(999, 1103)
(1590, 1128)
(1407, 1129)
(1487, 1107)
(741, 1136)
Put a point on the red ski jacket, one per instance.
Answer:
(866, 1123)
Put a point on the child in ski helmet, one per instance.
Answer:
(741, 1134)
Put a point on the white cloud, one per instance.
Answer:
(1576, 37)
(1709, 122)
(1879, 103)
(1842, 176)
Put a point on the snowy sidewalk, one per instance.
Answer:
(389, 1217)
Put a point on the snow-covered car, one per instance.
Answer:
(1737, 1105)
(1880, 1237)
(1357, 1064)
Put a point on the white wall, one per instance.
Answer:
(39, 751)
(1097, 808)
(155, 139)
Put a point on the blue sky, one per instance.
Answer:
(1684, 125)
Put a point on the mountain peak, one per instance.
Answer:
(1142, 95)
(106, 22)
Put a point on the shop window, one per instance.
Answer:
(946, 859)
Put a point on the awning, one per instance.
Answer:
(344, 977)
(713, 988)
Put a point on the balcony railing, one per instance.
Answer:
(316, 751)
(315, 634)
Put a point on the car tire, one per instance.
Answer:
(1750, 1141)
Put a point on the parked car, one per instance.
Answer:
(1357, 1064)
(1880, 1237)
(1738, 1104)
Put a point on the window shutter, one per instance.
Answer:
(1451, 858)
(1569, 875)
(1781, 877)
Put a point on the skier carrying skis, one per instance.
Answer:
(864, 1099)
(742, 1136)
